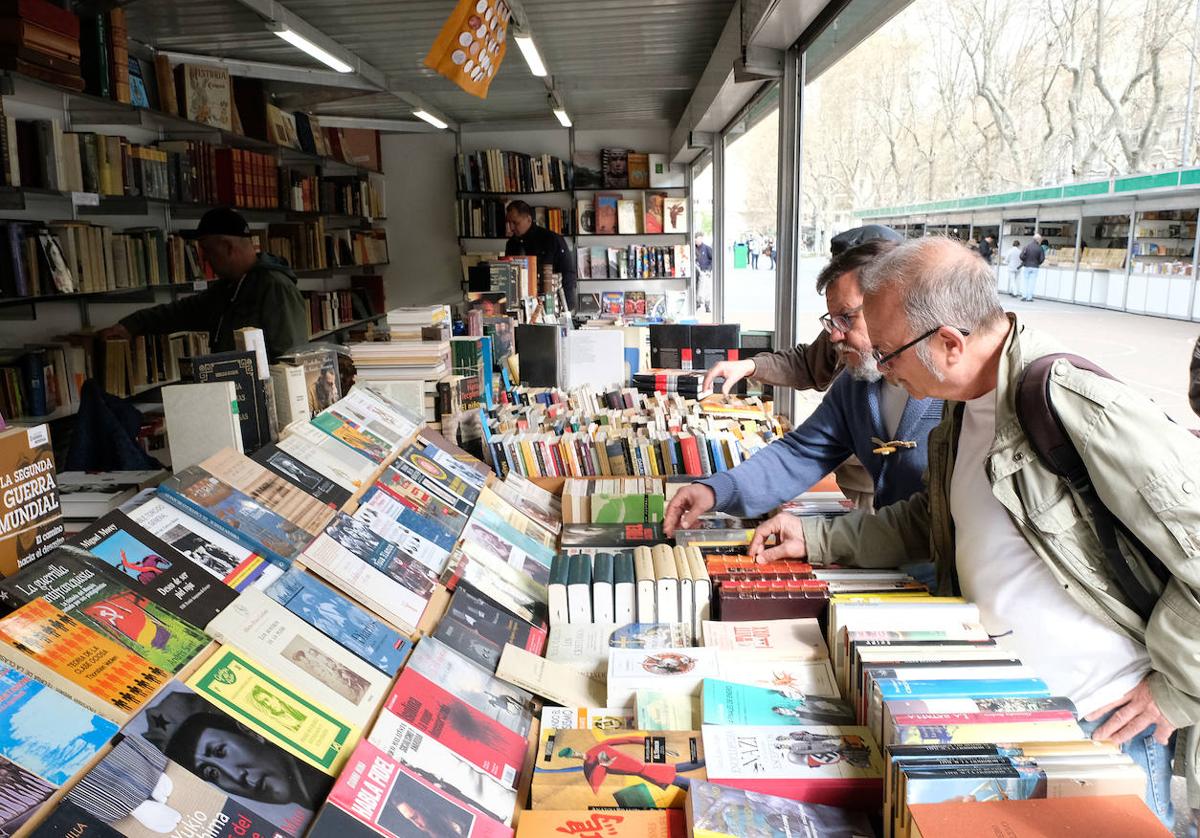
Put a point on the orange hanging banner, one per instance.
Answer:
(471, 45)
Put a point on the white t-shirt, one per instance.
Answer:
(1012, 258)
(1076, 654)
(892, 401)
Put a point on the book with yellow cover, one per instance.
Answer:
(628, 769)
(81, 663)
(259, 700)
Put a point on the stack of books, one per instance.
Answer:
(43, 42)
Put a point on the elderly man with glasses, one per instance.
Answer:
(1117, 634)
(862, 415)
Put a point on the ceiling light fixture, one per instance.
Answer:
(563, 119)
(430, 118)
(304, 45)
(529, 50)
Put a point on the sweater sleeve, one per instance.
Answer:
(196, 313)
(807, 366)
(790, 465)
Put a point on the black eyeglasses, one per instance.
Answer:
(841, 322)
(882, 360)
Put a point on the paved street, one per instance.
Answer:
(1151, 353)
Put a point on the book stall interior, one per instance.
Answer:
(363, 534)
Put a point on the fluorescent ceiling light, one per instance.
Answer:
(430, 118)
(562, 117)
(525, 42)
(304, 45)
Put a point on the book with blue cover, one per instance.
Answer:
(235, 515)
(727, 703)
(45, 732)
(341, 620)
(411, 520)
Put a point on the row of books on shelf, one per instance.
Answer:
(73, 51)
(68, 257)
(493, 170)
(485, 218)
(636, 261)
(330, 309)
(609, 214)
(612, 305)
(346, 195)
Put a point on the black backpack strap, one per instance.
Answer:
(1049, 440)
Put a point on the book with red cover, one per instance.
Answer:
(460, 727)
(1116, 816)
(376, 795)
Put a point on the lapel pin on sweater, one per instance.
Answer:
(885, 448)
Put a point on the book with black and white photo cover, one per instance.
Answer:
(507, 704)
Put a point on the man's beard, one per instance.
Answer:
(861, 367)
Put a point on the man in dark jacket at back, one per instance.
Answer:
(1032, 257)
(252, 290)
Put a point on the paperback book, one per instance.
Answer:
(269, 490)
(727, 703)
(150, 565)
(299, 654)
(586, 646)
(442, 767)
(341, 620)
(224, 558)
(478, 629)
(235, 514)
(107, 606)
(588, 769)
(509, 705)
(30, 511)
(140, 793)
(678, 671)
(719, 811)
(55, 648)
(662, 823)
(377, 795)
(255, 773)
(257, 699)
(483, 741)
(46, 733)
(302, 476)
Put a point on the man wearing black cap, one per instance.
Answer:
(810, 366)
(548, 246)
(252, 290)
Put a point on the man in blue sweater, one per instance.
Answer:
(862, 414)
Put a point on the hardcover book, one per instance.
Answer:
(341, 620)
(834, 765)
(30, 515)
(207, 95)
(153, 567)
(509, 705)
(107, 606)
(717, 811)
(256, 773)
(470, 734)
(377, 795)
(587, 769)
(234, 514)
(727, 703)
(299, 654)
(441, 766)
(257, 699)
(46, 733)
(142, 794)
(58, 650)
(222, 557)
(240, 368)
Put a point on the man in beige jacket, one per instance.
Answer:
(1006, 532)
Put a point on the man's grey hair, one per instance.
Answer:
(940, 282)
